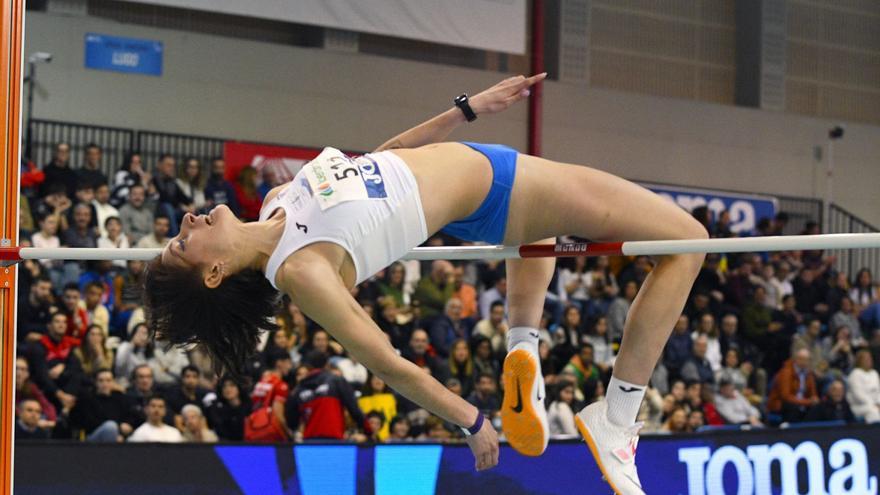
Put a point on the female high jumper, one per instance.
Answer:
(342, 219)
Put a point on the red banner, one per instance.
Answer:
(275, 163)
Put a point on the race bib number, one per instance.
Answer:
(336, 178)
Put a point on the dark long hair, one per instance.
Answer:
(225, 322)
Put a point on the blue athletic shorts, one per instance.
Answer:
(489, 222)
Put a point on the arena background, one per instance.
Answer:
(658, 92)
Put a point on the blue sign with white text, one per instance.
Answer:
(745, 209)
(130, 55)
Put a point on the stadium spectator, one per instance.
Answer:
(137, 218)
(484, 396)
(47, 237)
(58, 171)
(847, 316)
(269, 399)
(575, 280)
(494, 327)
(187, 392)
(319, 401)
(102, 207)
(25, 389)
(378, 397)
(707, 325)
(34, 311)
(53, 366)
(618, 309)
(85, 195)
(246, 193)
(96, 312)
(676, 422)
(90, 173)
(130, 174)
(864, 388)
(195, 427)
(498, 292)
(172, 202)
(228, 413)
(399, 430)
(93, 354)
(678, 348)
(139, 392)
(485, 362)
(447, 328)
(103, 413)
(155, 429)
(697, 368)
(134, 353)
(863, 291)
(420, 353)
(809, 294)
(568, 336)
(837, 350)
(434, 291)
(834, 406)
(218, 190)
(603, 350)
(695, 420)
(192, 182)
(160, 235)
(464, 292)
(128, 294)
(396, 326)
(460, 366)
(794, 388)
(560, 414)
(733, 407)
(27, 422)
(114, 238)
(582, 366)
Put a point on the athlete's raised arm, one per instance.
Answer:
(495, 99)
(319, 291)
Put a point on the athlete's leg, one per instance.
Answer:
(523, 416)
(552, 199)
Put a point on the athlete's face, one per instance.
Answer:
(202, 242)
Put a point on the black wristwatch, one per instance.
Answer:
(462, 103)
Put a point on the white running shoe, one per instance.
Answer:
(613, 447)
(523, 415)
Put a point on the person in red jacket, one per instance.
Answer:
(794, 388)
(320, 401)
(271, 393)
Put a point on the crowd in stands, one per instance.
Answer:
(765, 338)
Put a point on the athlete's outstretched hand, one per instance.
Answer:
(484, 445)
(506, 93)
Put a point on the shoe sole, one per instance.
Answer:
(593, 450)
(523, 429)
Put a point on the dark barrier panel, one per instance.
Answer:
(818, 461)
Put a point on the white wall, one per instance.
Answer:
(224, 87)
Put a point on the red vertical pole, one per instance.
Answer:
(536, 103)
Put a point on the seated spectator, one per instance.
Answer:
(378, 397)
(392, 285)
(96, 312)
(434, 291)
(229, 411)
(353, 372)
(603, 350)
(466, 293)
(837, 350)
(27, 422)
(168, 364)
(172, 202)
(497, 293)
(863, 292)
(128, 289)
(484, 396)
(160, 235)
(676, 422)
(246, 193)
(93, 354)
(58, 171)
(697, 368)
(113, 238)
(188, 392)
(651, 410)
(376, 421)
(320, 400)
(80, 234)
(47, 237)
(399, 430)
(731, 338)
(809, 293)
(218, 190)
(568, 336)
(269, 396)
(103, 413)
(134, 353)
(707, 326)
(584, 369)
(195, 427)
(136, 217)
(695, 420)
(678, 348)
(560, 414)
(733, 407)
(811, 340)
(420, 353)
(847, 316)
(140, 391)
(130, 174)
(90, 172)
(322, 342)
(77, 317)
(833, 407)
(396, 325)
(864, 388)
(34, 311)
(192, 183)
(619, 308)
(485, 362)
(102, 208)
(494, 327)
(794, 388)
(460, 366)
(53, 366)
(155, 429)
(25, 389)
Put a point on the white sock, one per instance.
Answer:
(527, 335)
(624, 400)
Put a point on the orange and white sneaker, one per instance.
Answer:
(613, 447)
(523, 415)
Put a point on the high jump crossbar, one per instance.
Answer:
(563, 250)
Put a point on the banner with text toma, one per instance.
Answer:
(818, 461)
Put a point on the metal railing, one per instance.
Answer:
(852, 260)
(153, 144)
(115, 142)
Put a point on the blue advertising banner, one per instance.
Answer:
(817, 460)
(130, 55)
(745, 209)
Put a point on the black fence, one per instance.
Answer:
(115, 142)
(800, 211)
(153, 144)
(852, 260)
